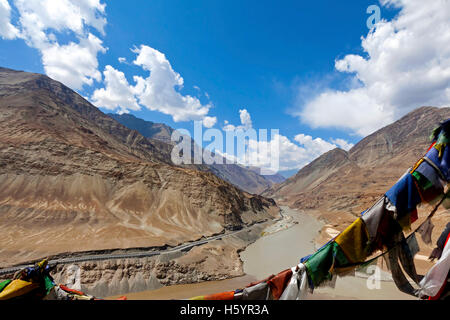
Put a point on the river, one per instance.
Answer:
(281, 250)
(273, 253)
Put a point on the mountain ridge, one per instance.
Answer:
(245, 178)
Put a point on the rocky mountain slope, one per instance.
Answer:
(74, 179)
(339, 185)
(248, 179)
(148, 129)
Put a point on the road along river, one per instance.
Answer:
(282, 248)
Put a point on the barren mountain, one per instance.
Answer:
(247, 179)
(148, 129)
(74, 179)
(339, 185)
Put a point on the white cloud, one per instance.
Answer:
(122, 60)
(316, 146)
(246, 122)
(158, 92)
(407, 66)
(75, 64)
(209, 122)
(296, 156)
(161, 92)
(341, 143)
(118, 93)
(292, 154)
(355, 110)
(7, 30)
(38, 16)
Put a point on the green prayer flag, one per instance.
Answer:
(321, 264)
(423, 182)
(4, 284)
(49, 284)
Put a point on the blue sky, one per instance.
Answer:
(275, 59)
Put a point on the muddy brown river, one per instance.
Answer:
(273, 253)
